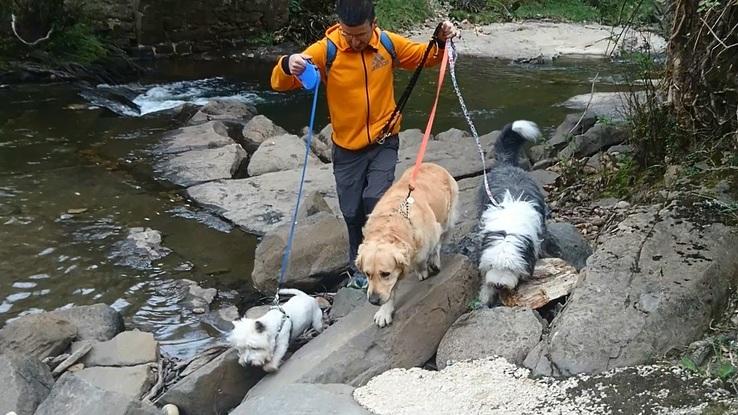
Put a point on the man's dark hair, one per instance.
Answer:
(355, 12)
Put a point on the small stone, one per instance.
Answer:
(76, 211)
(198, 310)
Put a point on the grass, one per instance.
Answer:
(77, 43)
(603, 11)
(396, 15)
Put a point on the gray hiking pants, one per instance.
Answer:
(362, 177)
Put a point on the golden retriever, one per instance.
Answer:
(398, 241)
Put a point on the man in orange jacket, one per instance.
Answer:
(356, 61)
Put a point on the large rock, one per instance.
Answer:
(319, 249)
(73, 395)
(453, 149)
(284, 152)
(200, 166)
(563, 240)
(98, 322)
(260, 204)
(215, 388)
(141, 247)
(597, 138)
(260, 128)
(212, 134)
(609, 105)
(501, 331)
(354, 349)
(573, 125)
(469, 209)
(655, 283)
(132, 381)
(130, 348)
(323, 144)
(39, 335)
(224, 109)
(303, 398)
(26, 383)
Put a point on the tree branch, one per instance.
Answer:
(35, 42)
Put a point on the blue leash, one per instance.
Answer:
(308, 145)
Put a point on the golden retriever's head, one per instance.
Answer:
(384, 264)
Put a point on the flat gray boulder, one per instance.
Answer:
(501, 331)
(262, 203)
(212, 134)
(319, 249)
(223, 109)
(345, 301)
(215, 388)
(303, 399)
(610, 105)
(130, 348)
(73, 395)
(284, 152)
(40, 335)
(199, 166)
(98, 322)
(26, 383)
(354, 349)
(132, 381)
(655, 283)
(261, 128)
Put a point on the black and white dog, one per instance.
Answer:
(512, 227)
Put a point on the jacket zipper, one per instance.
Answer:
(366, 89)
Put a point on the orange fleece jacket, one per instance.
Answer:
(359, 88)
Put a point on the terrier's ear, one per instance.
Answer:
(259, 326)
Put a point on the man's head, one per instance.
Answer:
(357, 21)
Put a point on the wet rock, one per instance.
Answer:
(304, 398)
(222, 318)
(284, 152)
(213, 134)
(215, 388)
(94, 322)
(354, 349)
(571, 127)
(345, 301)
(261, 204)
(40, 335)
(608, 105)
(200, 166)
(563, 240)
(261, 128)
(132, 381)
(501, 331)
(72, 395)
(130, 348)
(26, 383)
(319, 250)
(139, 249)
(599, 137)
(654, 283)
(223, 109)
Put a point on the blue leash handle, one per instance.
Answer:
(308, 145)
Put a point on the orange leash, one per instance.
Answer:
(431, 118)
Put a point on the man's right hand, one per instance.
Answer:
(297, 63)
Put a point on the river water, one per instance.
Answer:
(75, 178)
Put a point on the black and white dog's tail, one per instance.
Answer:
(512, 138)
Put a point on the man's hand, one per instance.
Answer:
(448, 31)
(297, 63)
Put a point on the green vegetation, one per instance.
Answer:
(606, 11)
(401, 14)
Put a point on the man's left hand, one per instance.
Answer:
(448, 31)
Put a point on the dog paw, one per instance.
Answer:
(270, 368)
(422, 275)
(383, 318)
(434, 268)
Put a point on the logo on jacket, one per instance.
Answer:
(378, 61)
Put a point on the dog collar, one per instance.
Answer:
(404, 209)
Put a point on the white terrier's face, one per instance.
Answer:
(253, 342)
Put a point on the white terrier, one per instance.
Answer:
(264, 341)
